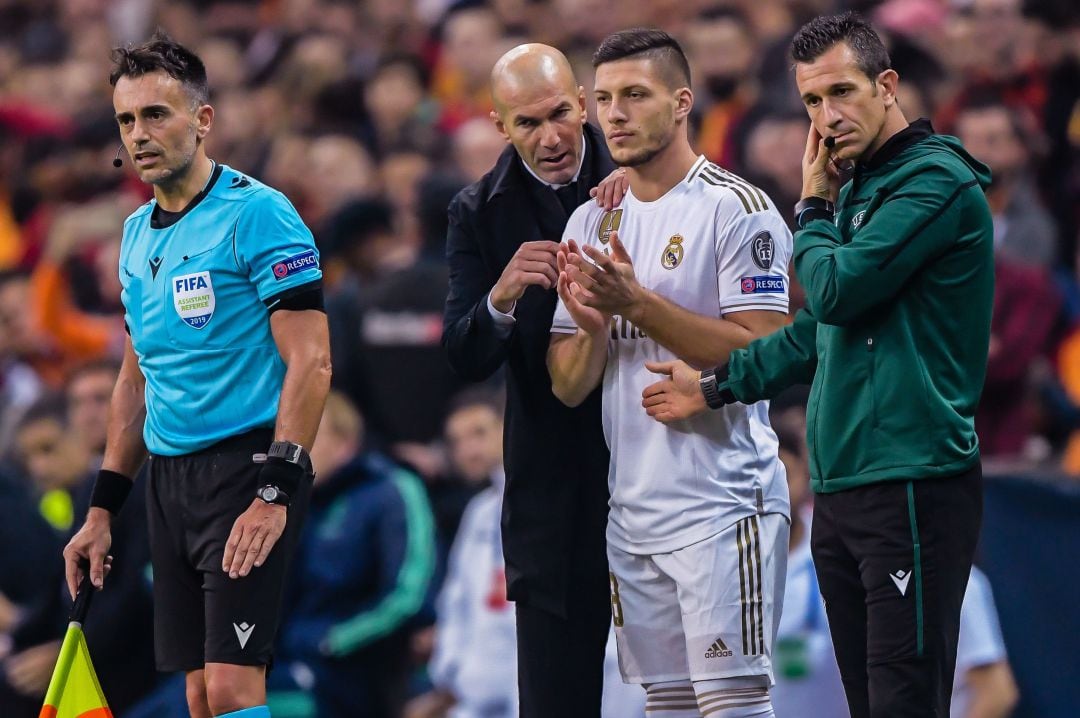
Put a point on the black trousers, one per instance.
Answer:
(893, 561)
(561, 660)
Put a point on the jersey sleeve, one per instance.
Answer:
(752, 254)
(562, 322)
(274, 246)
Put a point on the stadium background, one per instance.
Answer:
(371, 115)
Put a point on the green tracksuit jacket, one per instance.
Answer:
(894, 338)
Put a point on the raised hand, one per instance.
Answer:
(572, 272)
(614, 288)
(609, 193)
(532, 263)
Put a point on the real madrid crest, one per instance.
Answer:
(608, 223)
(673, 252)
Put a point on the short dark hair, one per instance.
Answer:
(163, 54)
(103, 365)
(650, 44)
(477, 396)
(819, 35)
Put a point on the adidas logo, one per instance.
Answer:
(239, 181)
(718, 650)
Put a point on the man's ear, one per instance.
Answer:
(499, 124)
(887, 82)
(684, 102)
(204, 119)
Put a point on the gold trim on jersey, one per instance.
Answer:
(753, 199)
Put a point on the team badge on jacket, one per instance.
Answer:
(193, 298)
(673, 253)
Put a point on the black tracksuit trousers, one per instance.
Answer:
(893, 560)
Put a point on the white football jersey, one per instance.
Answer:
(714, 245)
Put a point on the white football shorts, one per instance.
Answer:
(709, 610)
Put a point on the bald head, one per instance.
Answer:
(530, 71)
(540, 109)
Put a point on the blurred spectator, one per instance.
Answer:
(472, 41)
(805, 666)
(20, 386)
(984, 686)
(55, 464)
(771, 157)
(1023, 330)
(385, 328)
(1024, 232)
(88, 392)
(77, 334)
(400, 174)
(721, 50)
(474, 667)
(121, 632)
(401, 110)
(21, 344)
(26, 580)
(362, 574)
(476, 145)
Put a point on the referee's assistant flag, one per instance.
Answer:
(74, 691)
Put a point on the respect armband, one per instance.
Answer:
(111, 489)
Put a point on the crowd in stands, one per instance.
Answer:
(370, 116)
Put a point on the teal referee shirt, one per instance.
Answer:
(197, 290)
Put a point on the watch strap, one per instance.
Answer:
(293, 453)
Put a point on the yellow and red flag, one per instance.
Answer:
(74, 691)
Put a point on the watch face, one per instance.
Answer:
(269, 494)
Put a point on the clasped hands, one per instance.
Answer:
(596, 285)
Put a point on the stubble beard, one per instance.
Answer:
(646, 154)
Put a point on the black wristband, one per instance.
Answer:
(282, 474)
(111, 489)
(811, 208)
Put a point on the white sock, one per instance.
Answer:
(741, 697)
(671, 699)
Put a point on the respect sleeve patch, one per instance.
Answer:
(762, 285)
(295, 264)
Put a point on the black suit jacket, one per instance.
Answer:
(556, 499)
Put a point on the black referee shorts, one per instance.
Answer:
(200, 614)
(893, 561)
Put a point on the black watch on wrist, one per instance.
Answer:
(273, 495)
(710, 390)
(293, 453)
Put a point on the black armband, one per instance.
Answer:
(811, 208)
(298, 299)
(111, 489)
